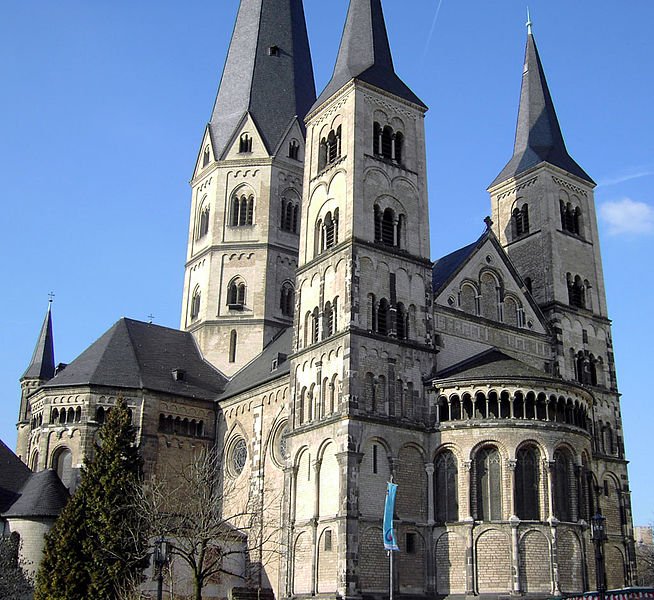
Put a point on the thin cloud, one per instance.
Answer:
(628, 217)
(431, 31)
(628, 175)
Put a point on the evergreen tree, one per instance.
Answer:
(98, 542)
(14, 583)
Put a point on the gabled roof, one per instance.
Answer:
(490, 365)
(538, 134)
(43, 495)
(365, 54)
(42, 365)
(134, 354)
(445, 268)
(13, 475)
(259, 370)
(273, 87)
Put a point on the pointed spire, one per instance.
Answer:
(365, 54)
(42, 365)
(268, 73)
(529, 23)
(538, 136)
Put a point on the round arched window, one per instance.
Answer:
(238, 456)
(280, 445)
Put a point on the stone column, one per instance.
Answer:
(515, 555)
(314, 527)
(349, 463)
(512, 464)
(556, 588)
(288, 525)
(429, 469)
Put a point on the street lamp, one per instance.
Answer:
(161, 557)
(598, 531)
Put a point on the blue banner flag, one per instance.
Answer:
(390, 541)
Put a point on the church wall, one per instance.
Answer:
(32, 540)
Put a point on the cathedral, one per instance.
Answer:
(325, 351)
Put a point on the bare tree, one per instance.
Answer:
(645, 561)
(216, 527)
(14, 583)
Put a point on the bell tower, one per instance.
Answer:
(544, 216)
(246, 188)
(363, 334)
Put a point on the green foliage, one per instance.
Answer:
(13, 581)
(99, 541)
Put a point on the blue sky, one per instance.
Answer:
(105, 103)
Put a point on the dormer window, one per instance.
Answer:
(273, 51)
(179, 374)
(245, 144)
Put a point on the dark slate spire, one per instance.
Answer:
(268, 72)
(538, 136)
(42, 365)
(365, 54)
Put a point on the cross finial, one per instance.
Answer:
(489, 223)
(51, 296)
(150, 318)
(529, 23)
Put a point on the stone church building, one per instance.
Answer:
(325, 351)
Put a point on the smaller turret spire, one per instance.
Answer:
(365, 54)
(538, 136)
(42, 365)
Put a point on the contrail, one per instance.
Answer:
(431, 31)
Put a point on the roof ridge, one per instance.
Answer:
(137, 356)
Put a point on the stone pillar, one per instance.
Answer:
(314, 527)
(556, 588)
(470, 558)
(429, 469)
(512, 464)
(349, 463)
(550, 466)
(515, 555)
(288, 525)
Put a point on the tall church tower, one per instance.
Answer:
(40, 370)
(246, 188)
(363, 327)
(544, 216)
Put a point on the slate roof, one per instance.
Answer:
(273, 89)
(492, 364)
(43, 495)
(538, 135)
(134, 354)
(365, 54)
(42, 365)
(259, 371)
(13, 475)
(444, 268)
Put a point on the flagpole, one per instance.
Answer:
(390, 553)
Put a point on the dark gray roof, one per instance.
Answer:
(42, 365)
(273, 89)
(259, 370)
(134, 354)
(538, 135)
(42, 496)
(13, 475)
(492, 364)
(445, 268)
(365, 54)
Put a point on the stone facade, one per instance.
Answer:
(483, 384)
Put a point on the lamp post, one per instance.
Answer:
(598, 531)
(161, 557)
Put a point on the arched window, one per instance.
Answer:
(329, 319)
(399, 147)
(387, 143)
(236, 294)
(327, 232)
(195, 303)
(446, 487)
(570, 218)
(294, 149)
(203, 221)
(383, 317)
(315, 325)
(388, 227)
(287, 299)
(330, 149)
(62, 462)
(562, 486)
(78, 414)
(526, 484)
(245, 143)
(402, 317)
(206, 156)
(488, 478)
(290, 215)
(242, 210)
(100, 415)
(233, 339)
(521, 220)
(576, 291)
